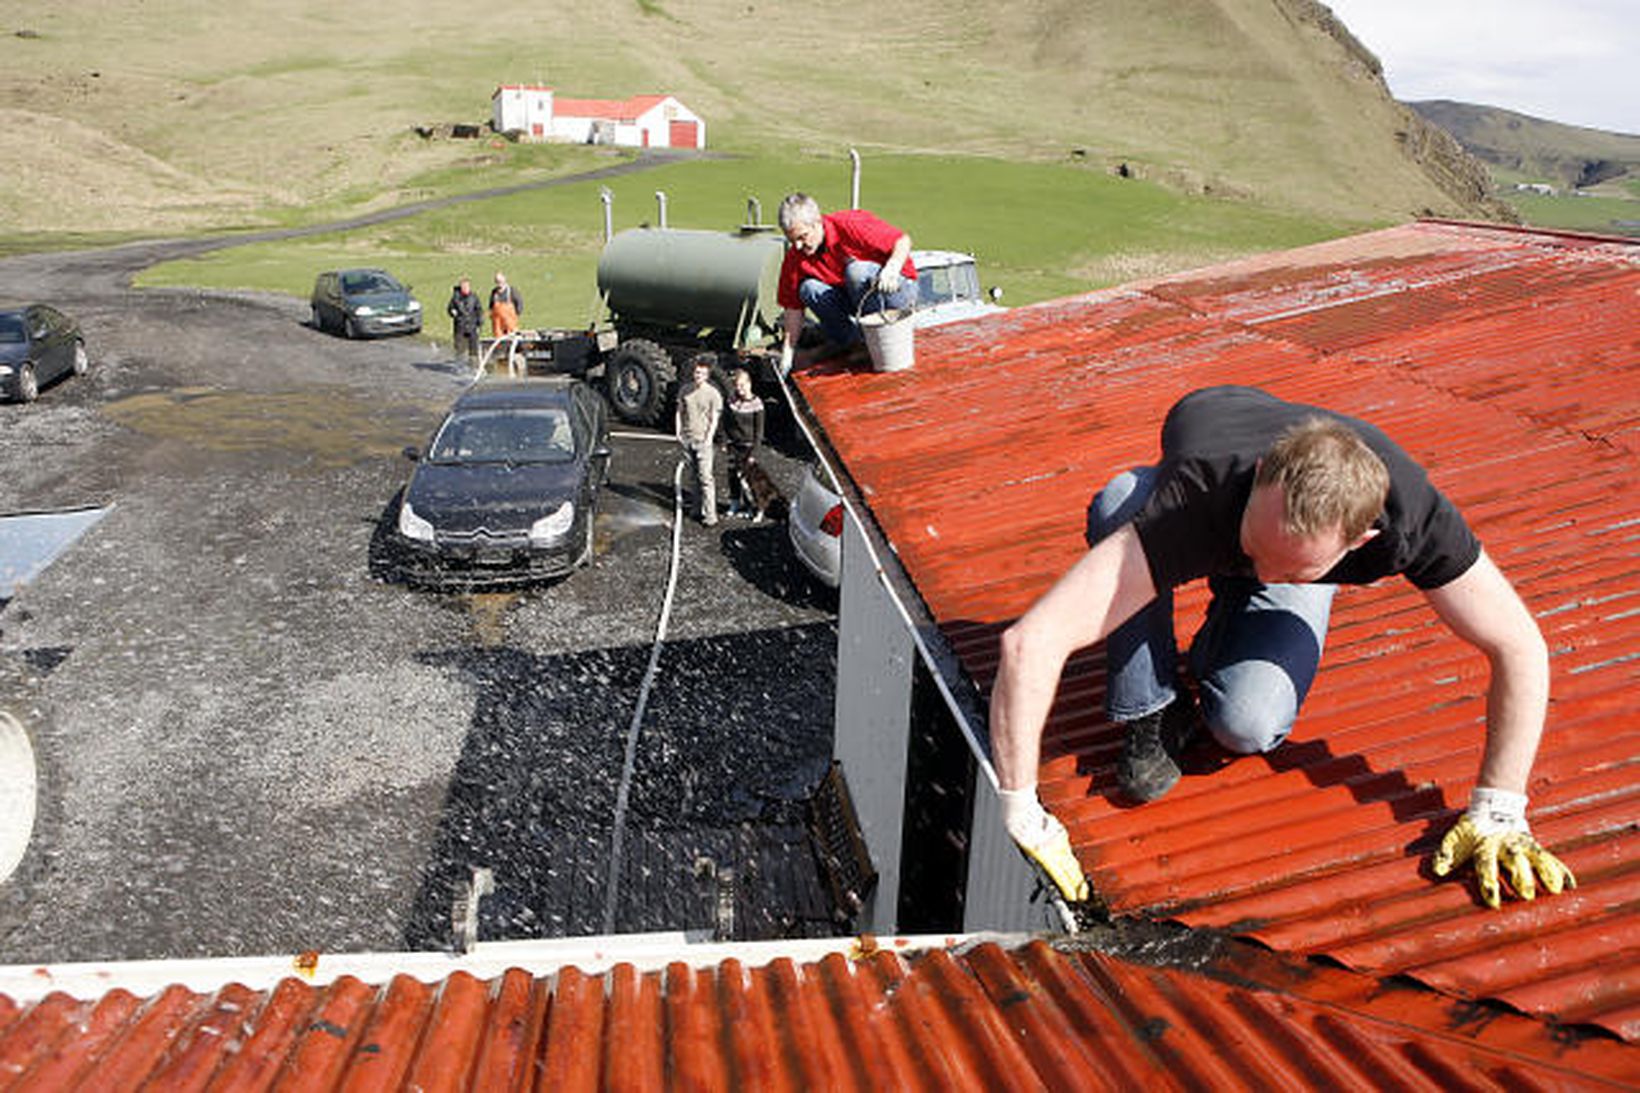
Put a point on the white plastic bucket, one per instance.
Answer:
(890, 339)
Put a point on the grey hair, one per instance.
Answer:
(798, 208)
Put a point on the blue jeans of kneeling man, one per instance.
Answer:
(837, 305)
(1254, 658)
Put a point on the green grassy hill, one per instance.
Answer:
(1593, 176)
(134, 116)
(1565, 155)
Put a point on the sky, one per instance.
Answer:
(1571, 61)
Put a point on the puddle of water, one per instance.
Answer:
(30, 541)
(331, 426)
(619, 515)
(488, 611)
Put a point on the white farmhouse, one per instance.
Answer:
(643, 121)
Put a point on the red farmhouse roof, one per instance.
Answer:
(980, 1017)
(613, 109)
(1509, 363)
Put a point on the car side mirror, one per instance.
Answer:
(412, 453)
(602, 451)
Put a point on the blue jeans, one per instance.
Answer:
(836, 305)
(1253, 659)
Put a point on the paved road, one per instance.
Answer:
(251, 740)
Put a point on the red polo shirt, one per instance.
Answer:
(851, 234)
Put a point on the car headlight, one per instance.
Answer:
(412, 526)
(415, 305)
(554, 525)
(364, 309)
(5, 369)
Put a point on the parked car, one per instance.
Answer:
(507, 488)
(814, 524)
(38, 344)
(364, 303)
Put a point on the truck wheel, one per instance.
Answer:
(639, 379)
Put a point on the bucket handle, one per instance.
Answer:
(892, 315)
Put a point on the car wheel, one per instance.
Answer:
(318, 322)
(351, 328)
(82, 363)
(638, 382)
(28, 384)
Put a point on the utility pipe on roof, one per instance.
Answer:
(854, 180)
(608, 199)
(660, 207)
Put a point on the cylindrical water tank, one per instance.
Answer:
(694, 279)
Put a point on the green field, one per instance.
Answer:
(1038, 230)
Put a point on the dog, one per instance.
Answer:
(759, 494)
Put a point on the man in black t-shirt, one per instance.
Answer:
(1276, 504)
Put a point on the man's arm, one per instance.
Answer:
(1493, 835)
(1483, 609)
(1105, 588)
(900, 252)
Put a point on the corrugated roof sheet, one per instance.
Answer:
(1508, 362)
(980, 1017)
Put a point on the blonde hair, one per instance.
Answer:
(1328, 477)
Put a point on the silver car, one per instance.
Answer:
(815, 526)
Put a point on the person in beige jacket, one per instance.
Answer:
(699, 408)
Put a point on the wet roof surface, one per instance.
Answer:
(1508, 362)
(1168, 1013)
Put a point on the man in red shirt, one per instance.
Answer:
(839, 265)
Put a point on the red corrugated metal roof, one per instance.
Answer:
(1508, 362)
(1194, 1013)
(610, 109)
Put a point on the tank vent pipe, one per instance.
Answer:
(754, 212)
(660, 207)
(854, 180)
(608, 199)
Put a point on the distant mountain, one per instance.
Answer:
(1570, 155)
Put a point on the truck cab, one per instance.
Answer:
(948, 288)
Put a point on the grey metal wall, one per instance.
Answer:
(873, 713)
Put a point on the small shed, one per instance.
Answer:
(522, 108)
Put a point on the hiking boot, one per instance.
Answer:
(1144, 770)
(1149, 764)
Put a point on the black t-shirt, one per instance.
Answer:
(1211, 443)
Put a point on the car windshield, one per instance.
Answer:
(361, 284)
(946, 283)
(11, 330)
(505, 436)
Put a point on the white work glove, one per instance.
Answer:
(888, 281)
(1494, 833)
(1043, 840)
(785, 359)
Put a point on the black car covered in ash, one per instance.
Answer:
(38, 344)
(508, 487)
(364, 303)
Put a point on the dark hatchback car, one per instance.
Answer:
(507, 490)
(364, 303)
(37, 345)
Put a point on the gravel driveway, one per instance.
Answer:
(251, 740)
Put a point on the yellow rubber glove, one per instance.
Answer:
(1044, 841)
(1493, 834)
